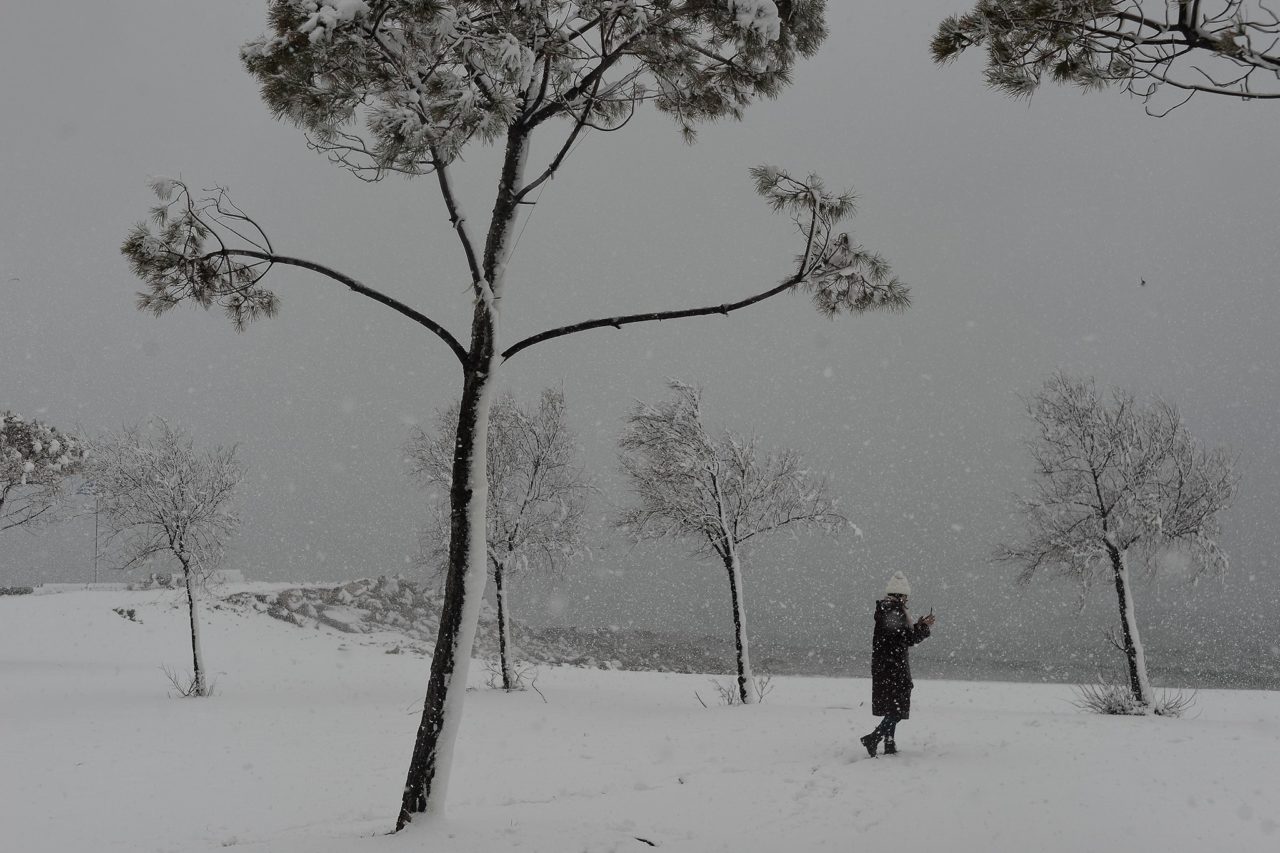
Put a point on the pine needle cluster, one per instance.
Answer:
(180, 255)
(840, 276)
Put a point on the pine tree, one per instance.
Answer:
(405, 86)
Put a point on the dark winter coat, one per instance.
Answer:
(890, 662)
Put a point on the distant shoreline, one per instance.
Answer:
(1254, 665)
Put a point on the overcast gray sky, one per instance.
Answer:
(1023, 228)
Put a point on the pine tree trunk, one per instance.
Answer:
(504, 626)
(427, 781)
(199, 685)
(746, 687)
(1134, 653)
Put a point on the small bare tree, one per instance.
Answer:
(537, 497)
(719, 492)
(35, 459)
(1116, 480)
(162, 497)
(1222, 47)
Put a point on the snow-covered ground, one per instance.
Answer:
(305, 744)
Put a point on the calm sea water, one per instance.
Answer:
(1254, 665)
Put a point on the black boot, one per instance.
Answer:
(890, 746)
(870, 742)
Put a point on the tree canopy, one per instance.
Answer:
(404, 85)
(162, 496)
(1114, 473)
(716, 491)
(34, 459)
(1222, 47)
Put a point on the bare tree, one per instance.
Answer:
(537, 497)
(405, 86)
(1222, 47)
(717, 491)
(163, 498)
(35, 459)
(1116, 481)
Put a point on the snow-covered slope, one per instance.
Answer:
(305, 744)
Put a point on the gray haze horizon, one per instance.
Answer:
(1023, 228)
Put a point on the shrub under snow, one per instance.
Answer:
(1114, 698)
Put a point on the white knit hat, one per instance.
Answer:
(898, 585)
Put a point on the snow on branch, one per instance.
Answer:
(757, 16)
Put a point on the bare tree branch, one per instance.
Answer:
(650, 316)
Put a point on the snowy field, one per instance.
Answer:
(305, 744)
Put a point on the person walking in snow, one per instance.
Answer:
(891, 663)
